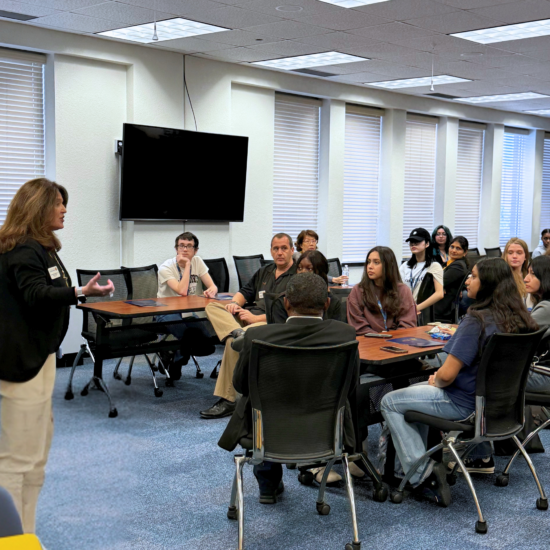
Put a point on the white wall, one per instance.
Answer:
(94, 85)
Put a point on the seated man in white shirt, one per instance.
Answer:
(185, 275)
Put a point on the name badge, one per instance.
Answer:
(54, 272)
(261, 294)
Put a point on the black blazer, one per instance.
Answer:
(276, 313)
(453, 275)
(34, 310)
(300, 332)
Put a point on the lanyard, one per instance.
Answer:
(58, 262)
(414, 281)
(384, 315)
(181, 276)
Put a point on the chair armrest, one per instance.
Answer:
(439, 423)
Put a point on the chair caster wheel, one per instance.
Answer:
(305, 478)
(169, 383)
(232, 512)
(84, 392)
(353, 546)
(502, 480)
(542, 503)
(323, 509)
(113, 413)
(481, 527)
(396, 497)
(451, 479)
(128, 381)
(291, 466)
(69, 395)
(158, 392)
(380, 494)
(199, 375)
(117, 376)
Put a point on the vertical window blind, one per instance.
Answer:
(511, 193)
(468, 182)
(21, 123)
(361, 177)
(296, 164)
(419, 195)
(545, 199)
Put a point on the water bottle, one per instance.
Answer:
(345, 273)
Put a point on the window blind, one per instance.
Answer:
(419, 193)
(21, 123)
(545, 198)
(511, 193)
(361, 171)
(468, 183)
(296, 164)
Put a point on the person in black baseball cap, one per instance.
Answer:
(422, 262)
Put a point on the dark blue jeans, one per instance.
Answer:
(269, 475)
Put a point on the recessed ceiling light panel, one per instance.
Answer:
(531, 29)
(502, 97)
(415, 82)
(352, 3)
(166, 30)
(312, 60)
(540, 112)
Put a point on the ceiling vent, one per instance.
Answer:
(18, 16)
(313, 73)
(442, 96)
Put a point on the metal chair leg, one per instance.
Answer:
(199, 373)
(239, 463)
(214, 373)
(542, 502)
(322, 507)
(100, 384)
(69, 391)
(232, 510)
(117, 376)
(164, 367)
(413, 468)
(157, 390)
(351, 496)
(128, 380)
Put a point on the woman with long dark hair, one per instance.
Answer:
(454, 272)
(450, 393)
(441, 241)
(35, 295)
(542, 249)
(381, 302)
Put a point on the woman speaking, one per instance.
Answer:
(35, 295)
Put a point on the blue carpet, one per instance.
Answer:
(154, 479)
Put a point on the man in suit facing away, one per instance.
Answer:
(306, 299)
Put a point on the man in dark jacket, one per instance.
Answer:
(306, 299)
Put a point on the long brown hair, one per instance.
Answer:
(391, 277)
(518, 277)
(30, 213)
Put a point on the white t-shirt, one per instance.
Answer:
(413, 277)
(169, 270)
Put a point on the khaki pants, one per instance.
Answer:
(225, 323)
(25, 439)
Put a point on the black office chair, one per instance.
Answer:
(473, 259)
(493, 252)
(457, 299)
(499, 414)
(298, 398)
(473, 252)
(334, 267)
(427, 288)
(263, 263)
(246, 266)
(219, 273)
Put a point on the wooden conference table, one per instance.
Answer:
(105, 313)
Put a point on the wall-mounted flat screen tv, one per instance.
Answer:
(180, 175)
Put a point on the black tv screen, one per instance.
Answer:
(180, 175)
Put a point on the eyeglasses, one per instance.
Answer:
(309, 241)
(185, 246)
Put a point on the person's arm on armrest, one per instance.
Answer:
(446, 375)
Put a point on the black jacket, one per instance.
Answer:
(276, 312)
(34, 310)
(296, 332)
(453, 275)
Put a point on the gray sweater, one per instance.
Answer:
(541, 314)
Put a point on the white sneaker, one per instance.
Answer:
(355, 471)
(333, 477)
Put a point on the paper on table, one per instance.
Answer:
(415, 342)
(145, 303)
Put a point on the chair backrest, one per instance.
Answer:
(473, 251)
(334, 267)
(263, 263)
(144, 285)
(456, 299)
(493, 252)
(501, 381)
(10, 522)
(123, 291)
(298, 398)
(427, 288)
(219, 273)
(473, 259)
(246, 266)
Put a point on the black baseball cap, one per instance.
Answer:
(418, 235)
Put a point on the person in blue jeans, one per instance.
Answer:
(450, 393)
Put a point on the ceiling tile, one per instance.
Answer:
(400, 10)
(541, 43)
(346, 68)
(380, 50)
(471, 4)
(480, 87)
(512, 62)
(339, 41)
(287, 29)
(518, 11)
(123, 13)
(191, 44)
(237, 55)
(286, 48)
(241, 38)
(459, 21)
(358, 78)
(442, 44)
(309, 7)
(344, 20)
(391, 71)
(235, 18)
(188, 8)
(76, 22)
(27, 9)
(64, 4)
(392, 31)
(534, 69)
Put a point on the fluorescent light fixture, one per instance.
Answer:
(352, 3)
(540, 112)
(502, 97)
(166, 30)
(414, 82)
(531, 29)
(312, 60)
